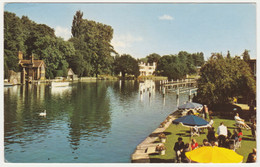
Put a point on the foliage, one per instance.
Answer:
(162, 136)
(177, 66)
(223, 78)
(22, 34)
(160, 147)
(127, 65)
(77, 28)
(154, 57)
(228, 55)
(92, 42)
(246, 56)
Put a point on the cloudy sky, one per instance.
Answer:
(164, 28)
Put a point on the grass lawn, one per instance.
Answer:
(175, 131)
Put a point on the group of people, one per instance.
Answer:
(180, 149)
(224, 137)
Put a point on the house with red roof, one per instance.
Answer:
(31, 69)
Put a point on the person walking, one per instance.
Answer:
(206, 111)
(178, 148)
(222, 134)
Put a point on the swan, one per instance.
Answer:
(43, 113)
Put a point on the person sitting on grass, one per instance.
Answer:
(214, 143)
(187, 148)
(178, 148)
(240, 135)
(194, 144)
(205, 143)
(241, 122)
(211, 134)
(251, 157)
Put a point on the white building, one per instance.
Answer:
(147, 69)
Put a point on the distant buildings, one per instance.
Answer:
(147, 69)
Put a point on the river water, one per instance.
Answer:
(87, 122)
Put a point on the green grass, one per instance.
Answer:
(175, 131)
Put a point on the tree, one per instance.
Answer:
(171, 66)
(228, 55)
(246, 56)
(54, 52)
(93, 41)
(223, 78)
(154, 57)
(127, 65)
(77, 24)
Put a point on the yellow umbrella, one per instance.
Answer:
(208, 154)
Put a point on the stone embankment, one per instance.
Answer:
(146, 147)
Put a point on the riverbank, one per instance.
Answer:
(148, 145)
(146, 151)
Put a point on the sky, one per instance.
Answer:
(163, 28)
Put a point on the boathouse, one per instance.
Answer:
(31, 69)
(71, 75)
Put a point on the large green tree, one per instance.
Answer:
(126, 64)
(93, 41)
(154, 57)
(223, 78)
(177, 66)
(77, 28)
(54, 52)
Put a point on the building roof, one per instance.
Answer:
(36, 63)
(70, 72)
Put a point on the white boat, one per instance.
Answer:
(59, 84)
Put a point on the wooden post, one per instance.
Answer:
(163, 91)
(190, 95)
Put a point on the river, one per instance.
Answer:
(87, 122)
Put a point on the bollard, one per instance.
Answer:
(190, 95)
(163, 91)
(177, 93)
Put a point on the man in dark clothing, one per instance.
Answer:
(211, 135)
(178, 148)
(187, 148)
(251, 157)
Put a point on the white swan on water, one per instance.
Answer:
(43, 113)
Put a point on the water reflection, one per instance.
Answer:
(22, 105)
(86, 118)
(84, 122)
(61, 90)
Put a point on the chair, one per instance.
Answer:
(195, 131)
(242, 125)
(232, 144)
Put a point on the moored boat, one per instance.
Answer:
(59, 84)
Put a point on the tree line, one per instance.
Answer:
(88, 52)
